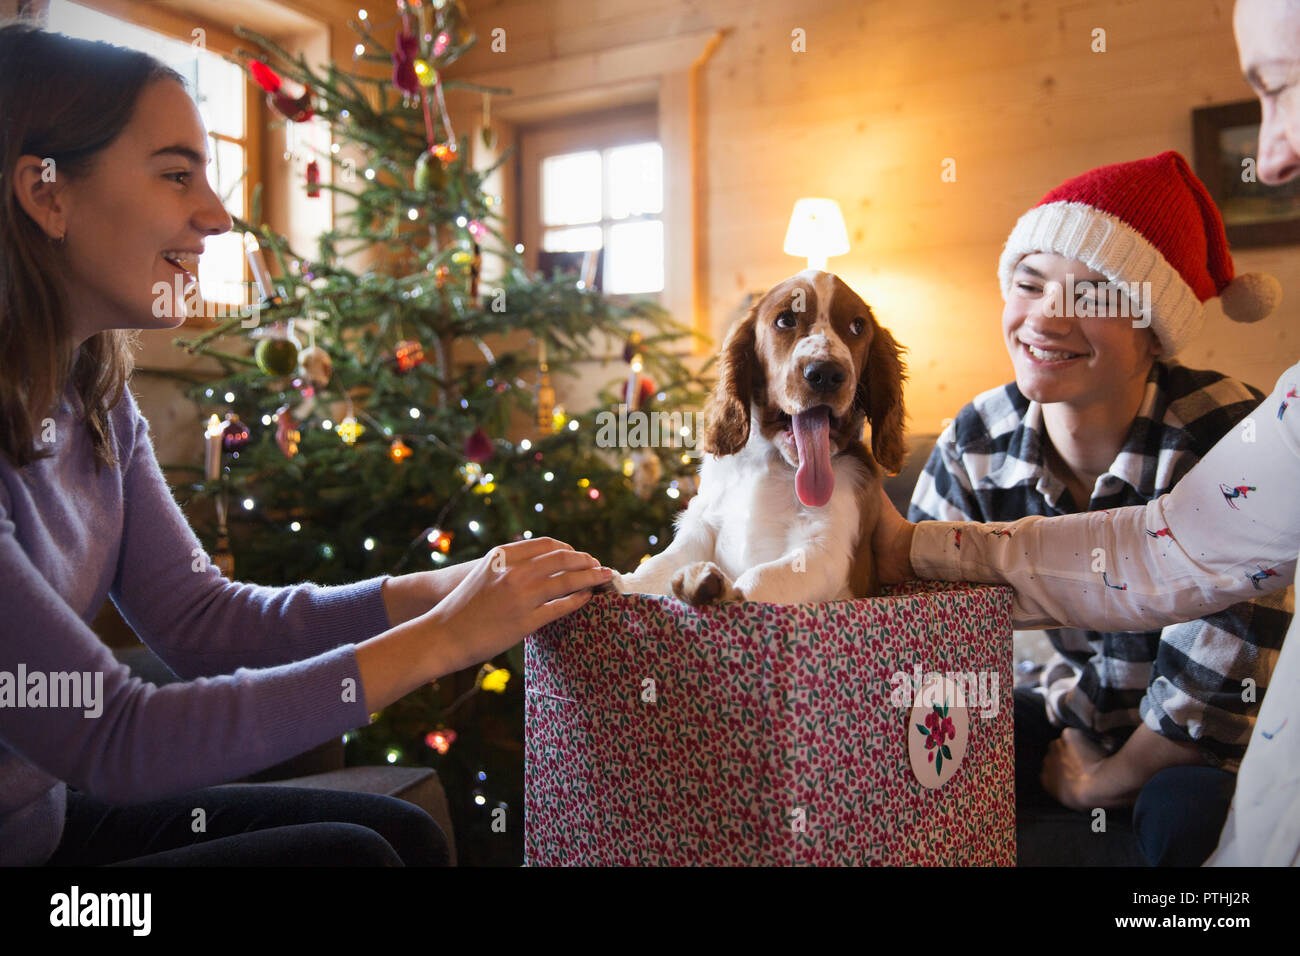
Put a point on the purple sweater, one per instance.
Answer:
(272, 671)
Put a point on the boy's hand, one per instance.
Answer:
(891, 541)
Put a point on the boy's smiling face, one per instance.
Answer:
(1060, 356)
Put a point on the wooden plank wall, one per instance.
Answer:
(884, 93)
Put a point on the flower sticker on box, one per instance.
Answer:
(938, 730)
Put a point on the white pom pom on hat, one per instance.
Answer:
(1250, 297)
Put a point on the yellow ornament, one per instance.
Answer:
(493, 679)
(472, 472)
(349, 429)
(485, 488)
(426, 74)
(558, 418)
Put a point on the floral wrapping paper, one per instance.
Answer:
(748, 734)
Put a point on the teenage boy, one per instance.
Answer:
(1104, 282)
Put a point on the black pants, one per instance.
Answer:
(1177, 818)
(251, 826)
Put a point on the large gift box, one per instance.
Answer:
(850, 732)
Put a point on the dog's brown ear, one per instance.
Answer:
(880, 391)
(726, 415)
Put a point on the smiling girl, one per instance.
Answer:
(104, 194)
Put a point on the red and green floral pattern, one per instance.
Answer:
(658, 734)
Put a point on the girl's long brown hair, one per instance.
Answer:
(62, 99)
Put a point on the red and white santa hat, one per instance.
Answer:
(1153, 221)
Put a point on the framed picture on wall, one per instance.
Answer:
(1225, 142)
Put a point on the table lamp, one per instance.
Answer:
(816, 231)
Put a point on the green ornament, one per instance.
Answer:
(278, 357)
(428, 172)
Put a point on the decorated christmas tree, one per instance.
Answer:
(349, 436)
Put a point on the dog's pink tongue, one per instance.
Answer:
(814, 481)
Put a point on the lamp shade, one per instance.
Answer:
(816, 231)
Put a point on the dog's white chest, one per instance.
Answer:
(757, 517)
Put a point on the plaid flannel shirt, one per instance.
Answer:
(1186, 681)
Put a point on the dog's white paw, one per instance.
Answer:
(704, 583)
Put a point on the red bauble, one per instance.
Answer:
(236, 434)
(407, 355)
(295, 110)
(313, 179)
(478, 447)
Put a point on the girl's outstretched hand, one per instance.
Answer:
(507, 594)
(891, 541)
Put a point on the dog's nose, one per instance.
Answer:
(823, 376)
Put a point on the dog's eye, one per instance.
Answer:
(857, 326)
(786, 320)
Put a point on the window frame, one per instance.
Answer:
(599, 131)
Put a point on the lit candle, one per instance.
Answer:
(213, 435)
(634, 384)
(253, 250)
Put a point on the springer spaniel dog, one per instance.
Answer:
(787, 487)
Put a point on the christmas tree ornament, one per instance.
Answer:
(475, 269)
(440, 42)
(637, 397)
(478, 447)
(265, 77)
(440, 276)
(440, 740)
(545, 402)
(399, 451)
(472, 472)
(632, 346)
(646, 472)
(276, 357)
(407, 355)
(404, 51)
(425, 74)
(446, 153)
(486, 128)
(287, 433)
(429, 172)
(349, 430)
(313, 180)
(440, 540)
(492, 679)
(234, 434)
(476, 229)
(317, 365)
(558, 420)
(296, 109)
